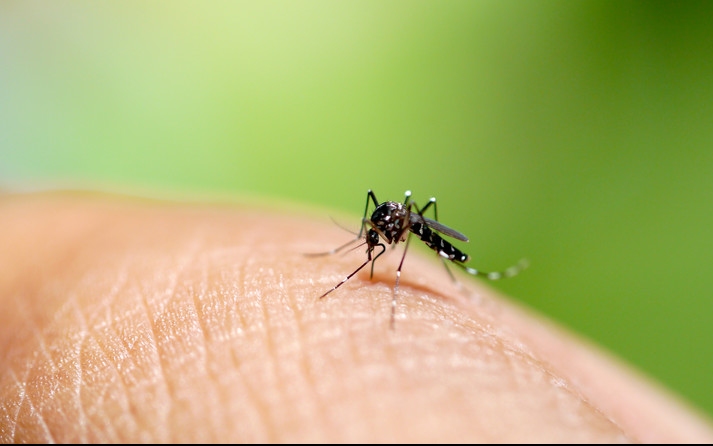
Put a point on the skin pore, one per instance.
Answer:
(128, 320)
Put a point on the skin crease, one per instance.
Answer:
(128, 320)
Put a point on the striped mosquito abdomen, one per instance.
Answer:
(438, 244)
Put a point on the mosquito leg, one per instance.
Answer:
(369, 196)
(431, 202)
(369, 259)
(497, 275)
(372, 239)
(347, 278)
(396, 285)
(408, 204)
(450, 273)
(407, 197)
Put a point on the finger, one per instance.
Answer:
(130, 320)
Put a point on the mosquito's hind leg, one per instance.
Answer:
(512, 271)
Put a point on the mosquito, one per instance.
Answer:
(392, 222)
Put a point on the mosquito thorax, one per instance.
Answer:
(390, 218)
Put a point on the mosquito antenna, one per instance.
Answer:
(335, 250)
(357, 246)
(342, 227)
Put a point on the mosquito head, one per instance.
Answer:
(372, 238)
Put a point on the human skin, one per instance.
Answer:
(127, 320)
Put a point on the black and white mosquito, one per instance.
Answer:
(393, 223)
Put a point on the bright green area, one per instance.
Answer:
(578, 134)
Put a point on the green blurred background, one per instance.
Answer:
(577, 134)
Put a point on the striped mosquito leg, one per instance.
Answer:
(347, 278)
(370, 258)
(497, 275)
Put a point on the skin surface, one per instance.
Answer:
(129, 320)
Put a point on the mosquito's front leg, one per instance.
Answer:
(369, 195)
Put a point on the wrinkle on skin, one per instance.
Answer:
(138, 321)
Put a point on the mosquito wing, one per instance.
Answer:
(443, 229)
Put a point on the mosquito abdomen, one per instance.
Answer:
(438, 244)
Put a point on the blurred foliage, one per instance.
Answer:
(578, 134)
